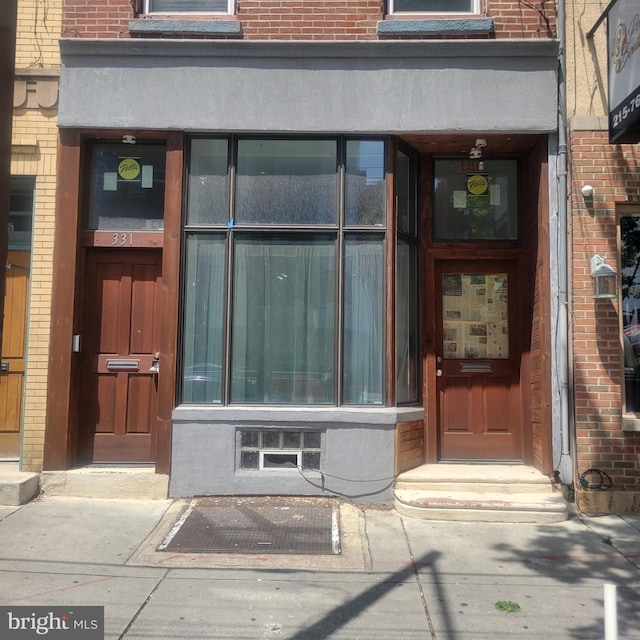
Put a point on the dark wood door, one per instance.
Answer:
(478, 361)
(121, 342)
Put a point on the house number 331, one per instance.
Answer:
(121, 239)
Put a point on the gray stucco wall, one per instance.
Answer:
(314, 87)
(357, 455)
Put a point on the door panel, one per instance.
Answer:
(13, 352)
(122, 335)
(478, 355)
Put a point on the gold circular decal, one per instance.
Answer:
(477, 185)
(129, 169)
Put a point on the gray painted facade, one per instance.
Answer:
(312, 87)
(357, 452)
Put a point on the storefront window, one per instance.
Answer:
(126, 189)
(287, 315)
(475, 200)
(407, 289)
(630, 291)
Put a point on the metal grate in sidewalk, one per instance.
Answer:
(256, 525)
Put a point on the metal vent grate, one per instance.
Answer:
(257, 525)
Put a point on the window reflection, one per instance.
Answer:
(630, 288)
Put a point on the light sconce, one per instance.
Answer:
(587, 191)
(605, 278)
(127, 139)
(476, 151)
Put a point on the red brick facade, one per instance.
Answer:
(613, 171)
(304, 19)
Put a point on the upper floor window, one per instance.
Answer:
(434, 6)
(189, 6)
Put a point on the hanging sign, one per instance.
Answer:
(623, 40)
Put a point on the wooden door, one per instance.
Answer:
(12, 371)
(121, 342)
(478, 361)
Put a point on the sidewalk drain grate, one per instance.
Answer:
(256, 525)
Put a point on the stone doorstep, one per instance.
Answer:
(482, 507)
(18, 487)
(479, 492)
(122, 483)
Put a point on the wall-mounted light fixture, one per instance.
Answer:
(605, 277)
(587, 191)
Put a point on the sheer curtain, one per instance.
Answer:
(203, 319)
(363, 321)
(283, 327)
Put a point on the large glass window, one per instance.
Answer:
(407, 290)
(475, 200)
(283, 335)
(126, 191)
(630, 291)
(286, 182)
(433, 6)
(288, 315)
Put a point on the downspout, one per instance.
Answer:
(564, 465)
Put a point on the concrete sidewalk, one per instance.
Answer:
(397, 579)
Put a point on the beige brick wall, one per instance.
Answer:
(38, 30)
(37, 48)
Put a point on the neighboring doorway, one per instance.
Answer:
(478, 361)
(119, 401)
(16, 312)
(12, 371)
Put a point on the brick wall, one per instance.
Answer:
(601, 443)
(38, 29)
(305, 19)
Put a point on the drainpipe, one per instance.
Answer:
(563, 463)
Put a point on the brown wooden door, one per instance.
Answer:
(12, 370)
(121, 340)
(477, 360)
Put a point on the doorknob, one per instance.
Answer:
(438, 372)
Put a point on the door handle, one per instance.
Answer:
(439, 372)
(4, 366)
(155, 364)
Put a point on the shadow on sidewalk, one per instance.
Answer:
(566, 559)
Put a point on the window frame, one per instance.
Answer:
(475, 10)
(148, 4)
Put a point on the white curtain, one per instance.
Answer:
(283, 326)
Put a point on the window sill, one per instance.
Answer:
(437, 27)
(630, 424)
(171, 26)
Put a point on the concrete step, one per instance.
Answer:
(124, 483)
(18, 487)
(479, 493)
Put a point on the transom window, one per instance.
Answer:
(284, 271)
(189, 6)
(475, 200)
(434, 6)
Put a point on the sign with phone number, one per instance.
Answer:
(624, 120)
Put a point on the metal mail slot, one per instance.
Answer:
(4, 366)
(123, 365)
(476, 367)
